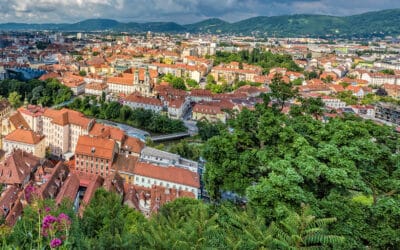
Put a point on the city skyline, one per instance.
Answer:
(183, 12)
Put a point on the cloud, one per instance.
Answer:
(181, 11)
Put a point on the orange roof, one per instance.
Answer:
(337, 87)
(107, 132)
(24, 136)
(201, 92)
(95, 146)
(133, 144)
(67, 116)
(170, 174)
(96, 86)
(176, 103)
(18, 121)
(145, 100)
(32, 110)
(207, 109)
(49, 75)
(17, 167)
(69, 189)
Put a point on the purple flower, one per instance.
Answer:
(28, 191)
(49, 219)
(47, 209)
(47, 222)
(63, 217)
(55, 243)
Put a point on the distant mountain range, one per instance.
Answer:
(378, 23)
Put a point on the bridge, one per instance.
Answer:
(170, 136)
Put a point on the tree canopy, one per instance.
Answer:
(278, 162)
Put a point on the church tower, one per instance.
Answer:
(136, 77)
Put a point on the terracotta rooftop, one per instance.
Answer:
(32, 110)
(145, 100)
(24, 136)
(17, 167)
(132, 144)
(107, 132)
(201, 92)
(52, 186)
(95, 146)
(18, 121)
(97, 86)
(211, 109)
(170, 174)
(125, 163)
(67, 116)
(69, 189)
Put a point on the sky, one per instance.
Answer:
(180, 11)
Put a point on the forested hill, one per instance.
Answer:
(378, 23)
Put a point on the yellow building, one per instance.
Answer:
(26, 140)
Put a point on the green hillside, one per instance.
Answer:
(378, 23)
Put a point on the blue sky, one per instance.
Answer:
(181, 11)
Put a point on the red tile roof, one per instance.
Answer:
(170, 174)
(67, 116)
(24, 136)
(18, 121)
(207, 109)
(69, 189)
(145, 100)
(17, 167)
(107, 132)
(96, 147)
(133, 145)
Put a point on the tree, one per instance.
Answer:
(208, 130)
(303, 231)
(178, 83)
(192, 83)
(313, 106)
(310, 75)
(15, 99)
(279, 162)
(388, 71)
(327, 79)
(210, 79)
(82, 73)
(107, 224)
(281, 91)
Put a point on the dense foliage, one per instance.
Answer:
(46, 93)
(265, 59)
(347, 168)
(140, 118)
(182, 224)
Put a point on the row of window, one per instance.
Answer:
(142, 180)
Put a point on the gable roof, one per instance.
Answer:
(17, 167)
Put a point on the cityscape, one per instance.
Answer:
(210, 132)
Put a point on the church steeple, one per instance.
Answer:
(26, 101)
(136, 77)
(147, 76)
